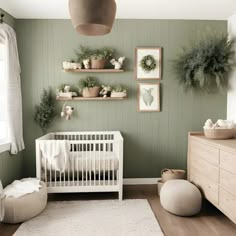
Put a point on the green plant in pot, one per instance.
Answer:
(119, 91)
(205, 65)
(84, 55)
(100, 57)
(88, 87)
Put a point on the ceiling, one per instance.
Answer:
(128, 9)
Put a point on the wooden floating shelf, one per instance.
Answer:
(90, 99)
(93, 70)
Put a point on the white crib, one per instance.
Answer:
(95, 163)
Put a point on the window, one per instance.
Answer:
(3, 95)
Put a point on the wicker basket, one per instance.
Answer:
(219, 133)
(90, 92)
(98, 63)
(168, 174)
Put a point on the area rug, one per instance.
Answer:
(93, 218)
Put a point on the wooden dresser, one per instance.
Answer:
(212, 167)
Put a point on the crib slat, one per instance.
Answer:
(86, 165)
(73, 165)
(108, 163)
(50, 173)
(60, 179)
(55, 177)
(99, 164)
(90, 164)
(82, 165)
(94, 164)
(77, 158)
(46, 170)
(113, 161)
(104, 163)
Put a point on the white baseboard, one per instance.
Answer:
(139, 181)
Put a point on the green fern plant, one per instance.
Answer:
(45, 112)
(205, 65)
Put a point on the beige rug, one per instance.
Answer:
(93, 218)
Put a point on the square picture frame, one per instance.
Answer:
(148, 97)
(148, 63)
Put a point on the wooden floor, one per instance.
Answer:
(210, 222)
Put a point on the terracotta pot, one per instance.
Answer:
(168, 174)
(98, 63)
(90, 92)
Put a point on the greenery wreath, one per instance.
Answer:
(148, 63)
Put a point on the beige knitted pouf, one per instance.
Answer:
(21, 209)
(180, 197)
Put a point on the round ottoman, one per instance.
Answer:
(180, 197)
(21, 209)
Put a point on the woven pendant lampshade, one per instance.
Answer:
(92, 17)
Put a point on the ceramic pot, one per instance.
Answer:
(90, 92)
(118, 94)
(98, 63)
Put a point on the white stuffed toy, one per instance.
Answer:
(86, 63)
(67, 111)
(106, 90)
(118, 64)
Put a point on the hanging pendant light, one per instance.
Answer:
(92, 17)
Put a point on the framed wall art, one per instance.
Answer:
(148, 63)
(148, 97)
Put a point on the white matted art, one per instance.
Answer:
(148, 63)
(148, 97)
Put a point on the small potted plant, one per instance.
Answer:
(66, 91)
(118, 92)
(88, 87)
(100, 57)
(71, 64)
(84, 56)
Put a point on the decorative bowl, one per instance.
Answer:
(219, 133)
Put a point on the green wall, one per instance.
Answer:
(10, 165)
(152, 140)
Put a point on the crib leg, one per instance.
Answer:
(120, 194)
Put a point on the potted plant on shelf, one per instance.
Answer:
(118, 92)
(100, 57)
(84, 56)
(72, 64)
(88, 87)
(66, 91)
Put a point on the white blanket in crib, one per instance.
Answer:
(56, 152)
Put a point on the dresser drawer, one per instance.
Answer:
(206, 168)
(205, 151)
(208, 187)
(228, 161)
(228, 181)
(227, 202)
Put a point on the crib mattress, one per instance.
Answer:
(88, 161)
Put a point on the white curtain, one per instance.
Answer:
(14, 100)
